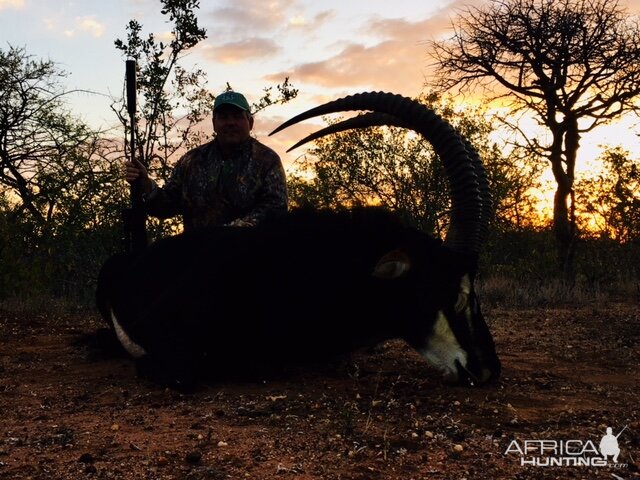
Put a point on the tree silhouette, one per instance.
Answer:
(573, 64)
(58, 183)
(173, 100)
(36, 130)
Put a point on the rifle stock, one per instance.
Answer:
(134, 218)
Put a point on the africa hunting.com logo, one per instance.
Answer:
(569, 453)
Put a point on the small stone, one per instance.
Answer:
(222, 444)
(86, 458)
(458, 448)
(193, 457)
(115, 427)
(428, 434)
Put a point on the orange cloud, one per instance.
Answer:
(91, 25)
(87, 24)
(17, 4)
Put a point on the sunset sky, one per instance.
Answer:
(327, 48)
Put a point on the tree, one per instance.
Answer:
(573, 64)
(36, 130)
(173, 100)
(58, 184)
(397, 169)
(610, 201)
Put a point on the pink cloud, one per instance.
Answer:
(399, 62)
(391, 65)
(251, 16)
(318, 21)
(238, 52)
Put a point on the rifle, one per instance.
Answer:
(620, 433)
(134, 219)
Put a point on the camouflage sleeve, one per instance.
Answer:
(166, 201)
(271, 198)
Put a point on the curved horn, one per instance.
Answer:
(372, 119)
(463, 168)
(485, 191)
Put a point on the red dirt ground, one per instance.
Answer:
(68, 411)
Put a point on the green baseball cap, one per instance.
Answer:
(232, 98)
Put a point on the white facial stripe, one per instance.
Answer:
(462, 302)
(443, 349)
(465, 284)
(135, 350)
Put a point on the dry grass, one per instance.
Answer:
(504, 291)
(42, 304)
(496, 290)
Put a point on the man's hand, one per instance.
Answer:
(136, 171)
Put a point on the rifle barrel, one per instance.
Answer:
(131, 87)
(135, 221)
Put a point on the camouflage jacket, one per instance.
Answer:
(207, 188)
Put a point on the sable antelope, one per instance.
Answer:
(314, 283)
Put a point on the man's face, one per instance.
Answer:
(232, 125)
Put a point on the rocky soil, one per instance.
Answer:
(70, 410)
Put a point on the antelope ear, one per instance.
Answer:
(394, 264)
